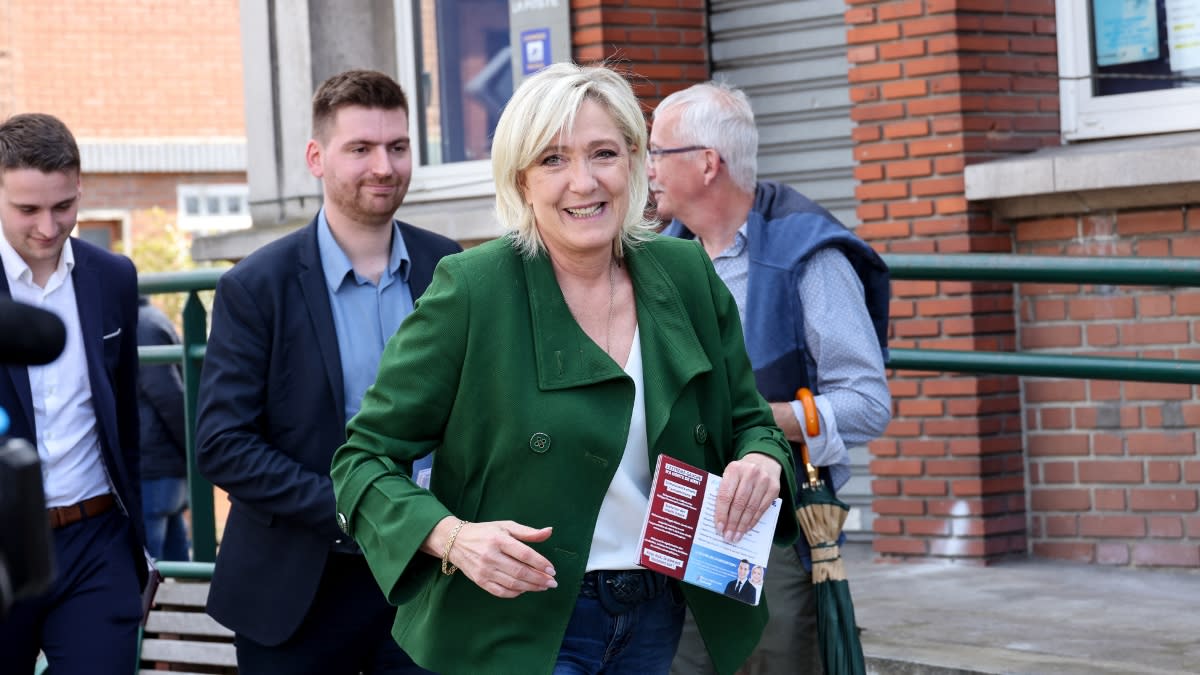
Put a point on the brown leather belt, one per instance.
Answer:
(61, 516)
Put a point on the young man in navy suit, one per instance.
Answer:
(298, 329)
(80, 411)
(740, 588)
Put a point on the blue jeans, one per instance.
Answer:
(163, 503)
(642, 640)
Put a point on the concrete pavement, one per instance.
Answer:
(1024, 617)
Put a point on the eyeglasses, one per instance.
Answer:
(653, 154)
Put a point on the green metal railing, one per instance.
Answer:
(191, 355)
(1051, 270)
(961, 267)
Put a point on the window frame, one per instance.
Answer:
(1084, 116)
(455, 180)
(122, 217)
(206, 222)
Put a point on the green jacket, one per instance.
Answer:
(529, 419)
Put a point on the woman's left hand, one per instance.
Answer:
(748, 487)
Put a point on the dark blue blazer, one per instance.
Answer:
(106, 298)
(271, 414)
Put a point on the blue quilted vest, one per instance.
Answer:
(785, 229)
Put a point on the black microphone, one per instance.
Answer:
(29, 336)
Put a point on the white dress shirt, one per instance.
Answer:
(64, 419)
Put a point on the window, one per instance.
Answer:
(212, 208)
(1129, 67)
(101, 232)
(458, 80)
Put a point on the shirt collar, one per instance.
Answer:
(16, 269)
(739, 243)
(336, 264)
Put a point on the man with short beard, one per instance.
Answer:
(298, 329)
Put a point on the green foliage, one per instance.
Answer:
(159, 245)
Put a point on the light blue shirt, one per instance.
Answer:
(854, 401)
(365, 315)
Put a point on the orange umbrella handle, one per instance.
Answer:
(812, 421)
(812, 426)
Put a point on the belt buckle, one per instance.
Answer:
(627, 587)
(619, 591)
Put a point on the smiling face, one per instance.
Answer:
(38, 212)
(364, 163)
(756, 575)
(578, 187)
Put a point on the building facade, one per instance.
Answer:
(931, 126)
(153, 94)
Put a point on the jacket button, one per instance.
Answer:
(343, 522)
(701, 434)
(539, 442)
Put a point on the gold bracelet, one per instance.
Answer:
(448, 568)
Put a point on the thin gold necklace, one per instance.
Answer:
(612, 292)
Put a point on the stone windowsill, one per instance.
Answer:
(1149, 171)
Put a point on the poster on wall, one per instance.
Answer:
(1125, 31)
(1183, 34)
(535, 50)
(540, 34)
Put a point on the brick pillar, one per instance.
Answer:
(663, 46)
(938, 84)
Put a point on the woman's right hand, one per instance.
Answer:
(494, 555)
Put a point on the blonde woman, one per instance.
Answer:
(549, 369)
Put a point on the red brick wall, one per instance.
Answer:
(115, 70)
(143, 191)
(149, 199)
(937, 85)
(1113, 466)
(663, 42)
(119, 69)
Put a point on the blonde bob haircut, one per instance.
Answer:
(545, 106)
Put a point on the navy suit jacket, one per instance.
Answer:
(747, 594)
(271, 414)
(106, 299)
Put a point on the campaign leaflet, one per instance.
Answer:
(422, 470)
(679, 536)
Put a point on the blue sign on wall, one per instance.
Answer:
(535, 50)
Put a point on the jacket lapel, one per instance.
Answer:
(18, 373)
(316, 299)
(422, 263)
(671, 349)
(566, 357)
(670, 345)
(89, 302)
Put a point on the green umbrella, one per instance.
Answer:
(821, 516)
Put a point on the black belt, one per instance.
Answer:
(622, 590)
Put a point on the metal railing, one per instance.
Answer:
(957, 267)
(1051, 270)
(190, 354)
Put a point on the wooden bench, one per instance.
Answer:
(179, 636)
